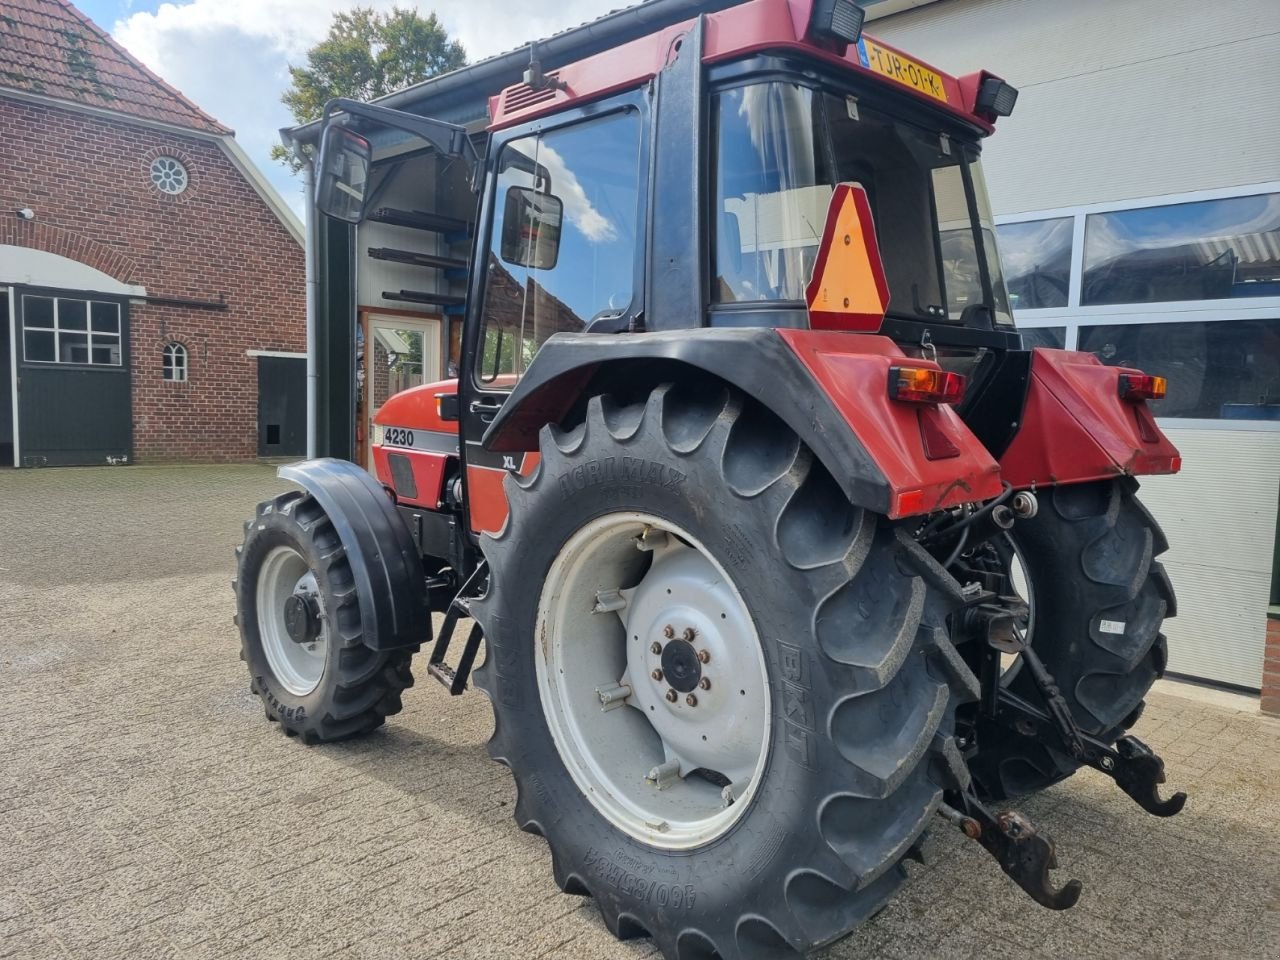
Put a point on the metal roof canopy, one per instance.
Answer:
(463, 96)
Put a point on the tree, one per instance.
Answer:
(367, 54)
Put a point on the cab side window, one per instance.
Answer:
(563, 250)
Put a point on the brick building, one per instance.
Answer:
(152, 292)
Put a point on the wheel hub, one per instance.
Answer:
(302, 618)
(680, 666)
(707, 651)
(291, 620)
(658, 698)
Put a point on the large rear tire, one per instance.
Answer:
(1099, 597)
(827, 616)
(301, 630)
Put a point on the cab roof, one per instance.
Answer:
(638, 40)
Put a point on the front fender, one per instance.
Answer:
(831, 388)
(387, 570)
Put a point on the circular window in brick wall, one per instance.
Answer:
(168, 175)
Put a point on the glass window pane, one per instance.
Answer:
(1053, 337)
(593, 170)
(772, 193)
(38, 346)
(1037, 262)
(37, 312)
(895, 163)
(1210, 250)
(106, 318)
(1226, 369)
(73, 315)
(73, 348)
(960, 273)
(175, 362)
(999, 291)
(106, 353)
(774, 178)
(397, 362)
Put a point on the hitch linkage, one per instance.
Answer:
(1136, 769)
(1024, 853)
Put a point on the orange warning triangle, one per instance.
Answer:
(848, 290)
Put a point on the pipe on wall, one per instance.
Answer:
(309, 273)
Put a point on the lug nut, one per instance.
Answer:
(691, 700)
(672, 696)
(656, 648)
(704, 656)
(657, 675)
(688, 635)
(705, 683)
(668, 631)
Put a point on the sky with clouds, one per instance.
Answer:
(231, 57)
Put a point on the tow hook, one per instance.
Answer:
(1024, 852)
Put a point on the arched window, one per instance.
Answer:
(175, 362)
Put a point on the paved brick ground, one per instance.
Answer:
(148, 811)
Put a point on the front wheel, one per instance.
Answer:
(726, 694)
(301, 631)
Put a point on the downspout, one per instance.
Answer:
(309, 269)
(13, 373)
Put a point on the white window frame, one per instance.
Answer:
(1073, 316)
(174, 351)
(108, 339)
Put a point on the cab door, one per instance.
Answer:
(562, 254)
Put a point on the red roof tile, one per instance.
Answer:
(51, 48)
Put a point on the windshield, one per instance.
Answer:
(780, 150)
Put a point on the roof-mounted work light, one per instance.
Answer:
(995, 98)
(839, 20)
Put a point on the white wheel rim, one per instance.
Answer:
(297, 666)
(1020, 582)
(672, 773)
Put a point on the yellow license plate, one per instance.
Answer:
(903, 69)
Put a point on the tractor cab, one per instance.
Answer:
(716, 145)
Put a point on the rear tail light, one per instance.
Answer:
(923, 385)
(1138, 387)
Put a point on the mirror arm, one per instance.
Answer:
(450, 139)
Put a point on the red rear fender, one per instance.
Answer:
(831, 388)
(1076, 428)
(928, 456)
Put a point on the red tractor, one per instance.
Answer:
(777, 542)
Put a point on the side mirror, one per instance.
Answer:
(343, 174)
(531, 227)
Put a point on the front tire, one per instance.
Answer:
(856, 675)
(301, 630)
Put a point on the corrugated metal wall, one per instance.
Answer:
(1119, 98)
(1220, 515)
